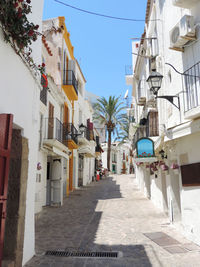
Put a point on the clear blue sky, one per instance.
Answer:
(102, 46)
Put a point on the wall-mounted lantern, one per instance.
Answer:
(154, 81)
(163, 154)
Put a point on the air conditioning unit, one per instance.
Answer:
(185, 3)
(183, 32)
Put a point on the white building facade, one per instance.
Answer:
(120, 157)
(20, 91)
(171, 36)
(66, 157)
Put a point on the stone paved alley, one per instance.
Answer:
(111, 215)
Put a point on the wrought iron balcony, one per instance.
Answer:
(86, 134)
(54, 130)
(70, 79)
(191, 88)
(70, 132)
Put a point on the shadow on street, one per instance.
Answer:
(78, 226)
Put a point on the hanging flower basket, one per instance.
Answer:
(174, 166)
(139, 163)
(39, 167)
(164, 167)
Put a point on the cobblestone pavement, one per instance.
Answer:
(109, 215)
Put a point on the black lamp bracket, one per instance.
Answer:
(181, 73)
(170, 98)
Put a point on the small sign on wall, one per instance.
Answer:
(145, 148)
(190, 174)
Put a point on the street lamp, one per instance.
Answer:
(82, 128)
(155, 80)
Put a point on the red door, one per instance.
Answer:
(5, 147)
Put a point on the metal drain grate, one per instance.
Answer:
(82, 254)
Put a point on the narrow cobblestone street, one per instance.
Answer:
(110, 215)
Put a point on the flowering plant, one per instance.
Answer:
(18, 31)
(145, 155)
(139, 163)
(164, 167)
(174, 166)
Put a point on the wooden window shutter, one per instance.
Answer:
(153, 123)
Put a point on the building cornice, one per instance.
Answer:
(66, 35)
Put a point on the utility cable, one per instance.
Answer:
(98, 14)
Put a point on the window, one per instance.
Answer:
(192, 87)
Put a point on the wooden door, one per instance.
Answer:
(66, 114)
(51, 121)
(5, 147)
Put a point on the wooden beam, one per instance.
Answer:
(180, 49)
(189, 38)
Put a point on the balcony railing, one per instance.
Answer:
(86, 134)
(54, 130)
(70, 132)
(70, 79)
(191, 86)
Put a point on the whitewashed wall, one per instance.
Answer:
(20, 96)
(40, 191)
(190, 196)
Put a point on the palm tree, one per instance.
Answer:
(123, 133)
(108, 112)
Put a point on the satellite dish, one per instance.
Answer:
(126, 94)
